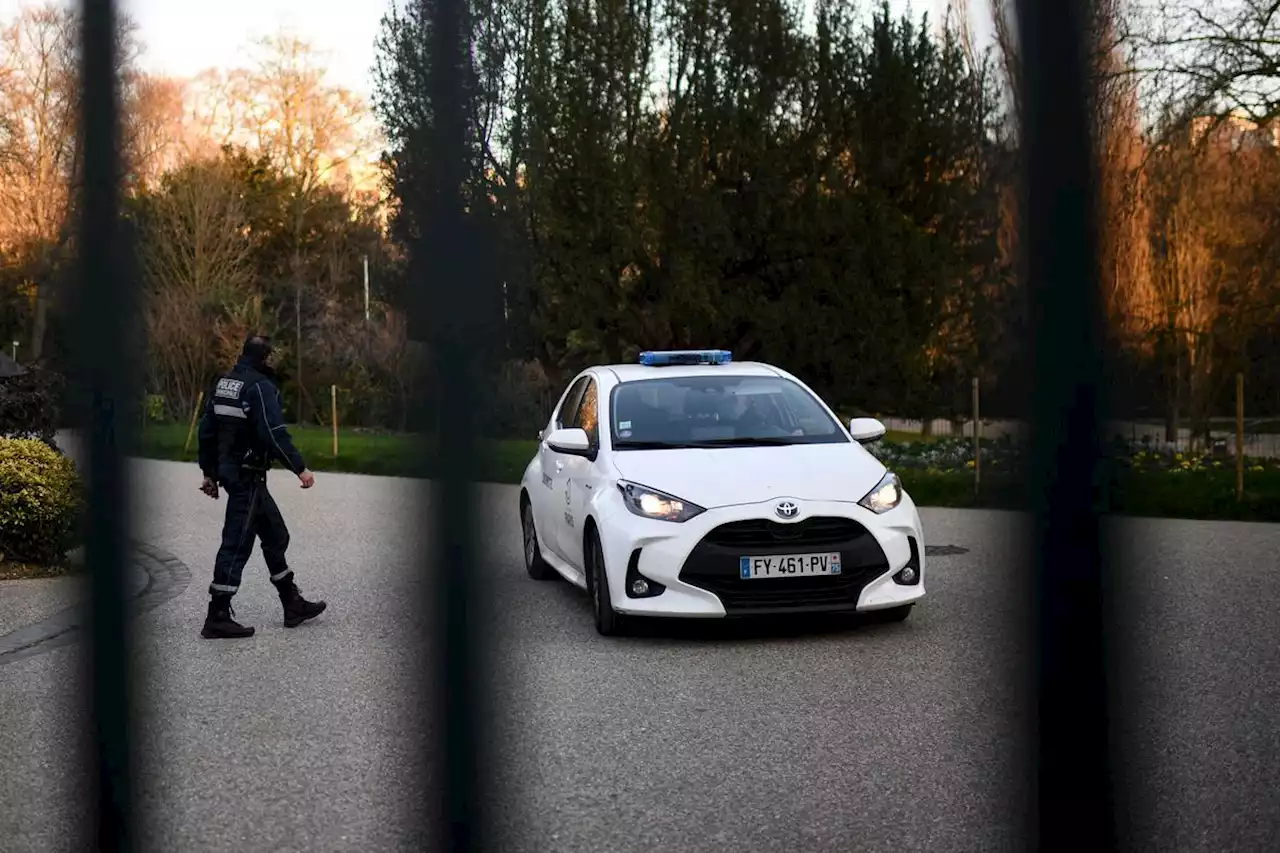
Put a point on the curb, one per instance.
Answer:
(167, 578)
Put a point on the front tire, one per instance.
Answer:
(538, 568)
(609, 622)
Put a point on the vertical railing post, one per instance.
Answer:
(103, 336)
(445, 263)
(1071, 740)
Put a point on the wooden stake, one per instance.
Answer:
(333, 400)
(195, 413)
(977, 437)
(1239, 436)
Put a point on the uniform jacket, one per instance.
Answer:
(243, 426)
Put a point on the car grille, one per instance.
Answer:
(713, 564)
(781, 594)
(763, 533)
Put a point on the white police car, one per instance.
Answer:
(690, 485)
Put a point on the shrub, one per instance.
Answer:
(40, 500)
(155, 408)
(29, 405)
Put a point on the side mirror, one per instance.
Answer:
(571, 441)
(866, 430)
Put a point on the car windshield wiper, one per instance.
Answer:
(745, 441)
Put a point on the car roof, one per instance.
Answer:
(637, 372)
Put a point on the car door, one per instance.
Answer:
(581, 477)
(549, 512)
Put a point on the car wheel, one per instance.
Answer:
(538, 568)
(608, 620)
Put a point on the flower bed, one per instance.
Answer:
(1006, 455)
(1002, 455)
(1140, 457)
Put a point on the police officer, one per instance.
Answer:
(241, 431)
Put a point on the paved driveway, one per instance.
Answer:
(689, 737)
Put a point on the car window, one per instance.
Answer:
(587, 416)
(727, 410)
(569, 408)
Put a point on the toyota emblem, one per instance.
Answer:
(786, 509)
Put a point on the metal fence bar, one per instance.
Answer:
(1070, 743)
(103, 340)
(445, 303)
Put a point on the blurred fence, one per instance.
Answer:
(1070, 759)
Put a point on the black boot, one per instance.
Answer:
(219, 624)
(296, 608)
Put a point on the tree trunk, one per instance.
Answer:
(42, 276)
(1201, 395)
(1175, 404)
(41, 323)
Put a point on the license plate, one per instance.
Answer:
(788, 565)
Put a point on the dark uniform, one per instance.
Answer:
(241, 431)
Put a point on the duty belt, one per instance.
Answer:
(252, 469)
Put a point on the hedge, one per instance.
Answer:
(41, 495)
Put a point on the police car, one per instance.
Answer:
(691, 485)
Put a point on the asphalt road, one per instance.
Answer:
(690, 737)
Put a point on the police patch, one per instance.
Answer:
(229, 389)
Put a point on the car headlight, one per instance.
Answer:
(650, 503)
(885, 496)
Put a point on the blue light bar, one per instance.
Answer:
(666, 358)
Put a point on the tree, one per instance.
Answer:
(1214, 59)
(154, 131)
(311, 131)
(40, 153)
(405, 80)
(218, 254)
(40, 103)
(217, 104)
(1215, 224)
(195, 259)
(668, 174)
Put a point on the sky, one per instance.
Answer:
(183, 37)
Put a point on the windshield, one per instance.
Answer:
(718, 411)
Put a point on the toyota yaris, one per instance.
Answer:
(690, 485)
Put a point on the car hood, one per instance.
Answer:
(730, 476)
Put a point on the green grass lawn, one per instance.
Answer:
(359, 452)
(1195, 494)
